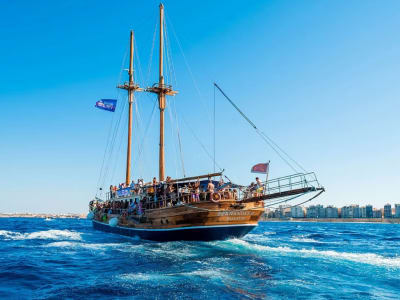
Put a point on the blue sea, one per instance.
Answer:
(67, 258)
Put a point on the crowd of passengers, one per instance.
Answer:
(167, 189)
(168, 194)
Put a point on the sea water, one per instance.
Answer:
(67, 258)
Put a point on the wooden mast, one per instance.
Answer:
(131, 88)
(161, 89)
(161, 97)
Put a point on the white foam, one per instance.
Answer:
(138, 277)
(81, 245)
(159, 277)
(42, 235)
(209, 273)
(366, 258)
(303, 239)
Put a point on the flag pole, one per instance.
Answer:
(266, 177)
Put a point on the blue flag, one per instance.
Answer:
(107, 104)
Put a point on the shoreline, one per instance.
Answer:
(334, 220)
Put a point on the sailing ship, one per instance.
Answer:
(190, 208)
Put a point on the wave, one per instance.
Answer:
(41, 235)
(305, 240)
(160, 277)
(366, 258)
(308, 239)
(92, 246)
(392, 239)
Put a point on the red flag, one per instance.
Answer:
(260, 168)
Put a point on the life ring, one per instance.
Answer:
(216, 196)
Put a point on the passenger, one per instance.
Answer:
(140, 210)
(163, 193)
(111, 191)
(133, 206)
(234, 194)
(197, 192)
(140, 183)
(260, 187)
(192, 192)
(221, 182)
(252, 189)
(210, 189)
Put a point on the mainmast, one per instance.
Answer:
(161, 89)
(131, 87)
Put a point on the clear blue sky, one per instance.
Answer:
(319, 77)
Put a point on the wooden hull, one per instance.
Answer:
(202, 221)
(195, 233)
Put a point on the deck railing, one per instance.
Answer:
(291, 182)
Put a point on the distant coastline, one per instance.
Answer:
(334, 220)
(43, 216)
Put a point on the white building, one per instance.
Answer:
(331, 212)
(363, 211)
(397, 210)
(387, 211)
(297, 212)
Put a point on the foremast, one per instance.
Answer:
(131, 87)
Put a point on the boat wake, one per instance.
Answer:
(41, 235)
(365, 258)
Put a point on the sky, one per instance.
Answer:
(321, 78)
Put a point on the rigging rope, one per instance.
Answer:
(267, 139)
(172, 135)
(151, 53)
(179, 141)
(190, 70)
(298, 204)
(201, 144)
(146, 131)
(123, 136)
(99, 180)
(114, 137)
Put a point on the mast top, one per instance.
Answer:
(160, 87)
(130, 85)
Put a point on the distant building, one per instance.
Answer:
(387, 211)
(284, 211)
(369, 211)
(397, 210)
(345, 212)
(356, 211)
(352, 211)
(311, 212)
(331, 212)
(316, 211)
(297, 212)
(377, 213)
(321, 213)
(363, 211)
(277, 213)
